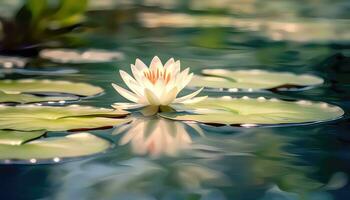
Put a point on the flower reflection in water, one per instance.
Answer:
(157, 136)
(213, 168)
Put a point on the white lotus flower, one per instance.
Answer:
(155, 86)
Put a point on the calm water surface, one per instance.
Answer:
(295, 162)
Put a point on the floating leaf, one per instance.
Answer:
(49, 86)
(28, 118)
(253, 80)
(249, 112)
(28, 98)
(82, 56)
(18, 137)
(55, 148)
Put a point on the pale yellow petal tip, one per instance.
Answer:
(122, 111)
(125, 93)
(122, 73)
(155, 59)
(117, 107)
(115, 86)
(138, 60)
(187, 97)
(171, 60)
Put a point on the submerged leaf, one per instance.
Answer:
(18, 137)
(28, 118)
(249, 112)
(56, 148)
(253, 79)
(49, 86)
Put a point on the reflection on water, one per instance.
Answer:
(156, 136)
(210, 168)
(138, 178)
(265, 160)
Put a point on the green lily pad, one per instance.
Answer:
(28, 98)
(55, 148)
(248, 112)
(29, 118)
(253, 80)
(18, 137)
(48, 86)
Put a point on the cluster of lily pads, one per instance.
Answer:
(30, 108)
(27, 115)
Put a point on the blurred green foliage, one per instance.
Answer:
(38, 21)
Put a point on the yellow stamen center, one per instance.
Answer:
(154, 75)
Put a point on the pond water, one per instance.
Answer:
(203, 161)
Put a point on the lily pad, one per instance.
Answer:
(18, 137)
(28, 98)
(48, 86)
(80, 56)
(248, 112)
(253, 80)
(55, 148)
(74, 117)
